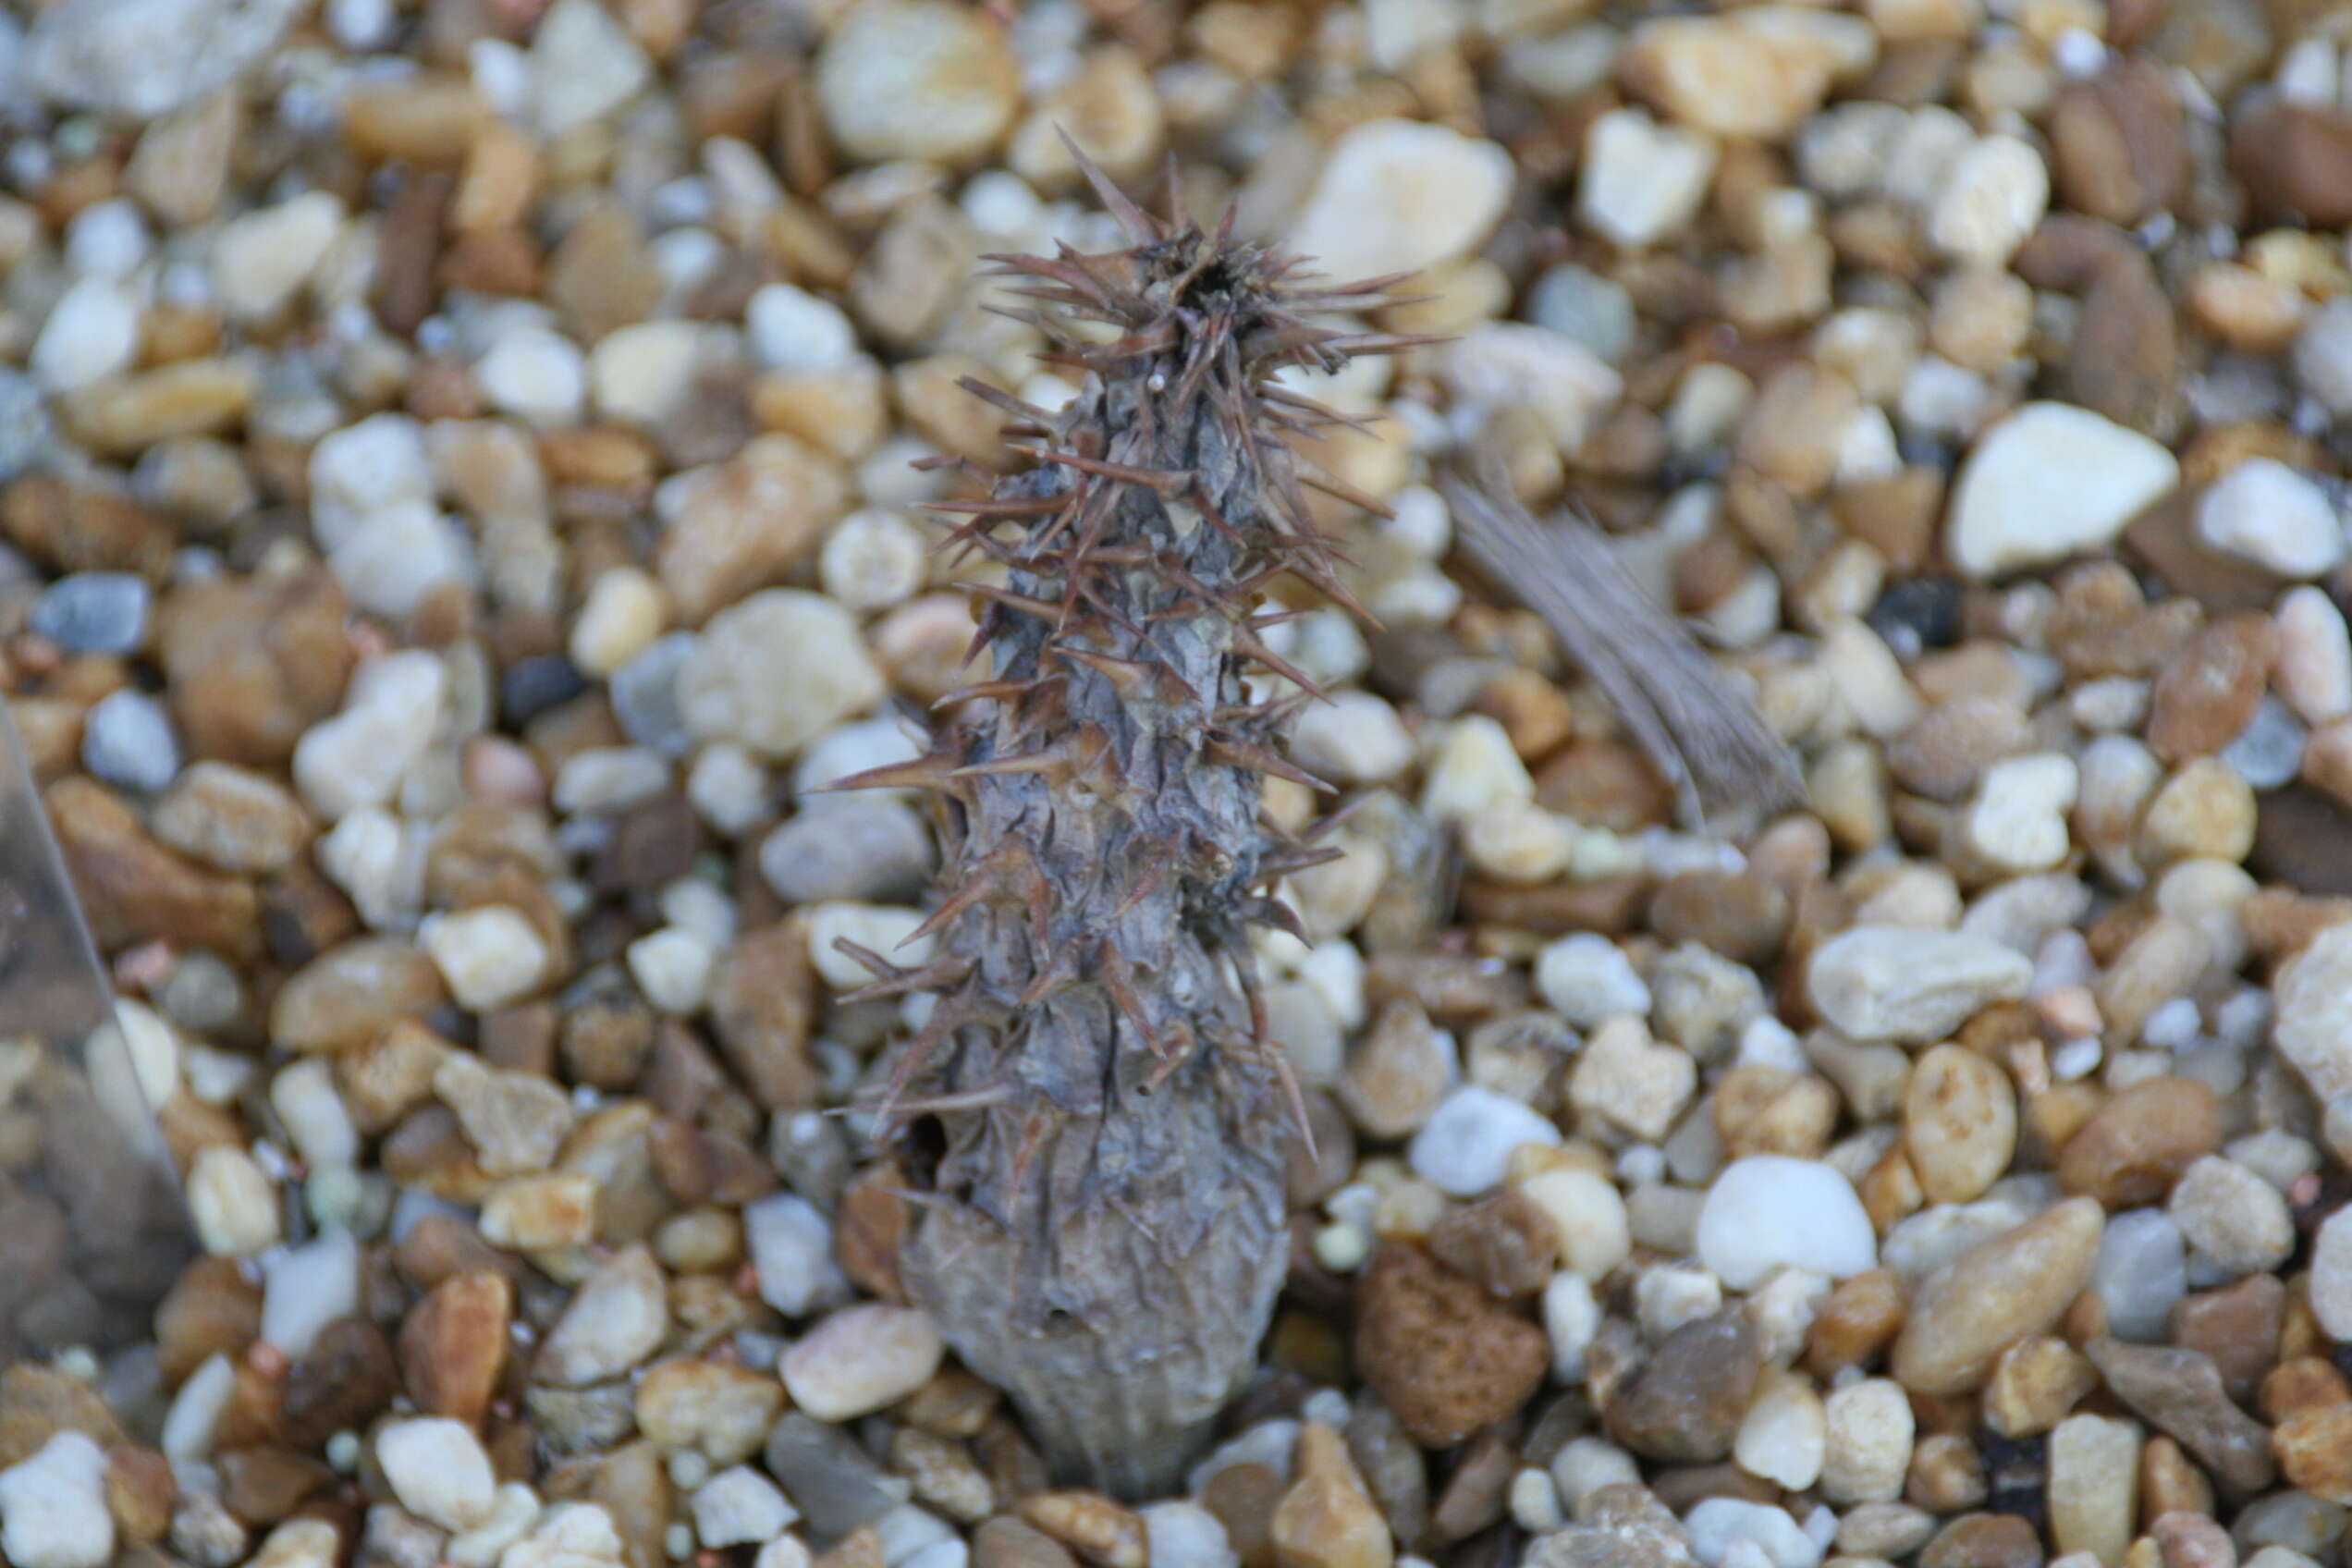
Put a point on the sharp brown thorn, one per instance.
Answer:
(1139, 225)
(1277, 915)
(1288, 863)
(1341, 490)
(1156, 869)
(984, 689)
(997, 397)
(912, 1060)
(927, 772)
(1040, 609)
(897, 981)
(1020, 506)
(933, 1104)
(1033, 1133)
(974, 891)
(1234, 752)
(1245, 975)
(1250, 645)
(1119, 979)
(1127, 676)
(1163, 482)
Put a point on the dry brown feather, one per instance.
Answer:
(1699, 730)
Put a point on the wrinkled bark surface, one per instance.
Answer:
(1093, 1117)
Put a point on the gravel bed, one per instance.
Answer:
(461, 504)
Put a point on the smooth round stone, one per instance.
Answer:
(644, 694)
(2048, 482)
(847, 848)
(94, 612)
(1464, 1148)
(1770, 1211)
(126, 740)
(2142, 1270)
(1587, 307)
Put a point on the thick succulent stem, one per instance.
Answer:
(1092, 1112)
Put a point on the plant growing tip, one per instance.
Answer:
(1092, 1116)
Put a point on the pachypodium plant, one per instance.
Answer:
(1093, 1121)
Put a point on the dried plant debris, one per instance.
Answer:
(1699, 730)
(1095, 1115)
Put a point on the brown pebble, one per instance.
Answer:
(37, 1402)
(1996, 1292)
(1244, 1498)
(2125, 359)
(1326, 1518)
(2036, 1384)
(141, 1491)
(2207, 692)
(1740, 916)
(2237, 1326)
(2306, 1382)
(1008, 1542)
(249, 664)
(1505, 1242)
(1947, 1474)
(1983, 1540)
(1091, 1524)
(453, 1346)
(2314, 1450)
(1686, 1400)
(1854, 1327)
(212, 1309)
(1444, 1356)
(2180, 1393)
(347, 1376)
(2295, 160)
(1476, 1495)
(2184, 1540)
(2170, 1481)
(2118, 153)
(262, 1486)
(2141, 1140)
(1941, 755)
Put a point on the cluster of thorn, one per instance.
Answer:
(1100, 791)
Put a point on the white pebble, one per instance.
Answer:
(873, 559)
(861, 1359)
(1769, 1211)
(2048, 482)
(1719, 1523)
(791, 329)
(1356, 737)
(91, 332)
(2266, 512)
(438, 1471)
(1400, 195)
(791, 1244)
(233, 1205)
(1641, 181)
(1996, 192)
(886, 930)
(672, 967)
(1465, 1147)
(1588, 978)
(739, 1505)
(308, 1287)
(535, 374)
(53, 1506)
(624, 613)
(489, 956)
(260, 259)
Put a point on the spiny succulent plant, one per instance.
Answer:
(1092, 1119)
